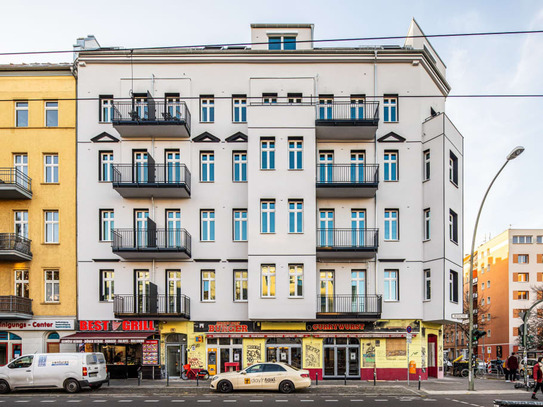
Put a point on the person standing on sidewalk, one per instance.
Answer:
(506, 370)
(538, 376)
(512, 364)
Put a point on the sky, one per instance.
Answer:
(475, 65)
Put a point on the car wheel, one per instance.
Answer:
(95, 386)
(4, 387)
(286, 387)
(205, 375)
(72, 386)
(224, 386)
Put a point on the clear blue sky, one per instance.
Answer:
(491, 127)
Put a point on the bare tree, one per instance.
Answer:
(534, 338)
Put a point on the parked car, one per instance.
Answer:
(263, 376)
(69, 371)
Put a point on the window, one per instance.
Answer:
(295, 216)
(240, 285)
(107, 283)
(21, 223)
(239, 109)
(106, 166)
(208, 285)
(277, 43)
(488, 334)
(240, 225)
(107, 222)
(267, 153)
(269, 98)
(51, 114)
(453, 226)
(391, 224)
(358, 102)
(427, 284)
(391, 166)
(106, 108)
(482, 301)
(391, 285)
(51, 226)
(21, 283)
(522, 239)
(295, 154)
(294, 98)
(52, 286)
(427, 224)
(521, 258)
(390, 108)
(207, 226)
(296, 280)
(488, 300)
(520, 295)
(326, 106)
(21, 114)
(207, 167)
(50, 168)
(426, 175)
(482, 286)
(453, 286)
(453, 168)
(239, 159)
(173, 107)
(522, 277)
(539, 239)
(488, 317)
(268, 280)
(207, 109)
(267, 210)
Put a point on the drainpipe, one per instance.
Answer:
(375, 161)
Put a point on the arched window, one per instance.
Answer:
(10, 347)
(53, 342)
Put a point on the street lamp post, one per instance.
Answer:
(512, 155)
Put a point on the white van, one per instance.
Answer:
(70, 371)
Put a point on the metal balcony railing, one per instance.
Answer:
(349, 304)
(171, 174)
(151, 240)
(16, 305)
(347, 174)
(347, 111)
(149, 305)
(14, 242)
(14, 176)
(150, 111)
(355, 239)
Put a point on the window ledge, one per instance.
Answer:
(51, 244)
(50, 303)
(49, 183)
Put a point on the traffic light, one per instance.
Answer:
(477, 335)
(499, 351)
(521, 334)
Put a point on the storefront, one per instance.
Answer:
(128, 346)
(286, 350)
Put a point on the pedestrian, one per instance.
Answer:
(506, 370)
(512, 365)
(538, 376)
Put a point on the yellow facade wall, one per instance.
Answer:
(36, 87)
(254, 351)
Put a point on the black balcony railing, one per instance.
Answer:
(14, 176)
(348, 239)
(349, 304)
(172, 240)
(14, 242)
(149, 305)
(151, 174)
(12, 304)
(347, 174)
(150, 111)
(347, 111)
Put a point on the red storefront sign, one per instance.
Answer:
(119, 326)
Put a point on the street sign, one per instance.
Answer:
(459, 316)
(408, 329)
(408, 338)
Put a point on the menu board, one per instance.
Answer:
(150, 352)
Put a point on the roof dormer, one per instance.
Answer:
(282, 37)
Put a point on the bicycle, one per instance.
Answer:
(188, 373)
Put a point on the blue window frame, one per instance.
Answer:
(295, 150)
(267, 149)
(267, 210)
(390, 109)
(207, 109)
(295, 216)
(240, 225)
(207, 167)
(240, 109)
(274, 43)
(240, 166)
(207, 225)
(289, 43)
(391, 166)
(391, 224)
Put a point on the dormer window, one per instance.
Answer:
(282, 42)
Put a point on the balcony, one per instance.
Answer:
(157, 180)
(14, 307)
(347, 180)
(337, 244)
(14, 248)
(151, 243)
(145, 117)
(160, 305)
(347, 121)
(354, 306)
(14, 184)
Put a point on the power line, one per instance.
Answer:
(245, 44)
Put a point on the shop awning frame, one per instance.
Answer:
(309, 334)
(120, 338)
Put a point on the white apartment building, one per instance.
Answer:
(275, 202)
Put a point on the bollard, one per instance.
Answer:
(139, 378)
(317, 379)
(345, 379)
(375, 378)
(167, 379)
(419, 381)
(108, 377)
(197, 377)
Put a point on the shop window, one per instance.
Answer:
(10, 347)
(53, 342)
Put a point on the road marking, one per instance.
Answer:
(330, 400)
(73, 401)
(255, 401)
(204, 401)
(380, 400)
(125, 401)
(22, 401)
(177, 401)
(429, 400)
(356, 400)
(48, 401)
(306, 401)
(99, 401)
(230, 401)
(151, 401)
(281, 401)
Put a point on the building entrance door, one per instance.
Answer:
(286, 350)
(432, 355)
(341, 358)
(176, 348)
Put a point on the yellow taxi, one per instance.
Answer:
(263, 376)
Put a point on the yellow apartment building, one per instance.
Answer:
(37, 208)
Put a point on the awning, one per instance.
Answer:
(310, 334)
(107, 337)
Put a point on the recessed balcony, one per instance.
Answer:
(347, 121)
(157, 180)
(348, 243)
(14, 248)
(146, 117)
(14, 307)
(347, 180)
(14, 184)
(159, 305)
(150, 243)
(350, 306)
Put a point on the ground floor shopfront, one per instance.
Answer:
(329, 350)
